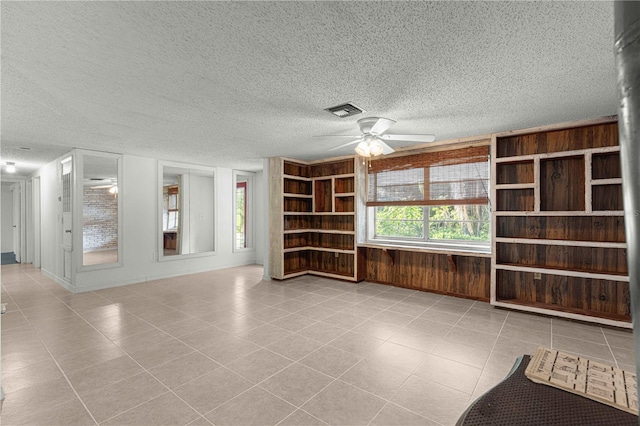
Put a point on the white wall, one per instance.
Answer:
(7, 219)
(201, 206)
(50, 221)
(139, 192)
(261, 216)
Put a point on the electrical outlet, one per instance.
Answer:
(537, 276)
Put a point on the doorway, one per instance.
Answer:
(11, 223)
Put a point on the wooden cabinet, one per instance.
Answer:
(558, 224)
(313, 219)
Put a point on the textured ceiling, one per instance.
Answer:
(228, 83)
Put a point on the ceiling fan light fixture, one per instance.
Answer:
(11, 167)
(375, 148)
(363, 149)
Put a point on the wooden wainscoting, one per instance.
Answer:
(456, 275)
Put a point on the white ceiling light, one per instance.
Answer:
(373, 140)
(11, 167)
(363, 149)
(369, 147)
(375, 148)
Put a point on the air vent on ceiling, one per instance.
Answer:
(344, 110)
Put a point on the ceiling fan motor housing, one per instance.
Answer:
(367, 123)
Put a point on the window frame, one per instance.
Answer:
(426, 241)
(248, 178)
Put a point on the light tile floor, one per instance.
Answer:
(226, 348)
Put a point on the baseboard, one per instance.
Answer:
(140, 280)
(59, 280)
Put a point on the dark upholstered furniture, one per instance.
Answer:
(518, 401)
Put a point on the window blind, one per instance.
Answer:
(450, 177)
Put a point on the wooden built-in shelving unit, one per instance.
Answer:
(313, 218)
(558, 240)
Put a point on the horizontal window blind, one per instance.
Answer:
(458, 176)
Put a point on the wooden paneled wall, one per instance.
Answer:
(462, 276)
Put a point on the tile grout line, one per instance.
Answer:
(609, 346)
(490, 353)
(130, 357)
(58, 365)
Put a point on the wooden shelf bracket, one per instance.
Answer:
(453, 262)
(392, 255)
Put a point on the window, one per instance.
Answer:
(186, 207)
(171, 207)
(241, 215)
(243, 208)
(431, 198)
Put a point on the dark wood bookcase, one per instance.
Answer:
(313, 218)
(558, 223)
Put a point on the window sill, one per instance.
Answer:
(436, 249)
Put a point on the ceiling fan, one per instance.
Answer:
(100, 183)
(373, 140)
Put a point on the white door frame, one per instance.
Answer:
(22, 181)
(16, 193)
(36, 222)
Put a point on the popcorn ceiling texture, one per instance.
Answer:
(228, 83)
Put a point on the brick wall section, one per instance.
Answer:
(100, 219)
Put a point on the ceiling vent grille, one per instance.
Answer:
(345, 110)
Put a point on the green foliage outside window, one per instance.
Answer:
(397, 221)
(453, 222)
(240, 225)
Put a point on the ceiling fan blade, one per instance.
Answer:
(346, 144)
(107, 182)
(337, 136)
(381, 126)
(386, 149)
(409, 138)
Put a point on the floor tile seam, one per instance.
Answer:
(297, 361)
(37, 411)
(243, 356)
(456, 323)
(66, 378)
(354, 353)
(621, 347)
(145, 370)
(413, 412)
(254, 386)
(411, 315)
(412, 348)
(276, 341)
(378, 412)
(307, 413)
(316, 340)
(140, 365)
(133, 408)
(496, 335)
(390, 399)
(491, 352)
(588, 342)
(299, 407)
(615, 360)
(470, 315)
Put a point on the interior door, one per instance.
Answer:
(67, 205)
(15, 190)
(36, 222)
